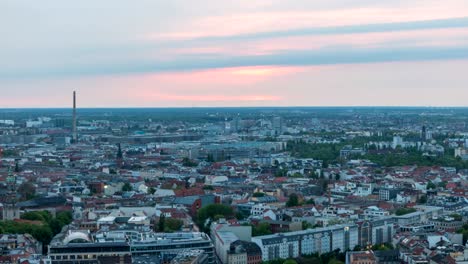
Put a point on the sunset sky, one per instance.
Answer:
(173, 53)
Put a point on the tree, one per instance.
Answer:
(337, 177)
(310, 201)
(27, 191)
(422, 199)
(430, 185)
(293, 200)
(172, 225)
(151, 190)
(383, 247)
(324, 164)
(335, 261)
(306, 225)
(127, 187)
(290, 261)
(240, 215)
(162, 223)
(297, 175)
(457, 217)
(64, 217)
(442, 184)
(464, 232)
(43, 232)
(212, 210)
(403, 211)
(261, 229)
(325, 185)
(188, 162)
(17, 168)
(43, 216)
(258, 194)
(119, 151)
(357, 248)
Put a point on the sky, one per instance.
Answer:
(181, 53)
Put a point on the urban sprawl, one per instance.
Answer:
(234, 185)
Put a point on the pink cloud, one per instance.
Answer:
(413, 38)
(244, 23)
(152, 97)
(434, 37)
(226, 77)
(397, 83)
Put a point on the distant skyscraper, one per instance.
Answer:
(277, 125)
(10, 210)
(227, 126)
(119, 156)
(75, 133)
(59, 123)
(237, 123)
(423, 133)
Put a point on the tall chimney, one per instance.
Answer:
(75, 134)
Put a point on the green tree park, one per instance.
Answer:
(41, 225)
(213, 212)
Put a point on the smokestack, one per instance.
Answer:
(75, 134)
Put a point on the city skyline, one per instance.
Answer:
(215, 54)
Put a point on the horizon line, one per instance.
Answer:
(213, 107)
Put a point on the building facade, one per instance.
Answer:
(320, 240)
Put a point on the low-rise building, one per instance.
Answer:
(360, 257)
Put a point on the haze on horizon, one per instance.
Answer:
(155, 53)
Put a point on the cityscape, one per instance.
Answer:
(234, 185)
(234, 132)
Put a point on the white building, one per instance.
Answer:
(259, 209)
(319, 240)
(374, 211)
(364, 190)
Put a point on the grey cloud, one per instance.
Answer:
(352, 29)
(296, 58)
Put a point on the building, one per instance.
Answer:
(89, 252)
(360, 257)
(223, 247)
(278, 226)
(387, 194)
(447, 224)
(376, 231)
(397, 142)
(236, 255)
(10, 211)
(186, 257)
(374, 211)
(125, 243)
(253, 251)
(319, 240)
(422, 216)
(14, 247)
(242, 232)
(277, 125)
(167, 245)
(259, 209)
(78, 246)
(349, 151)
